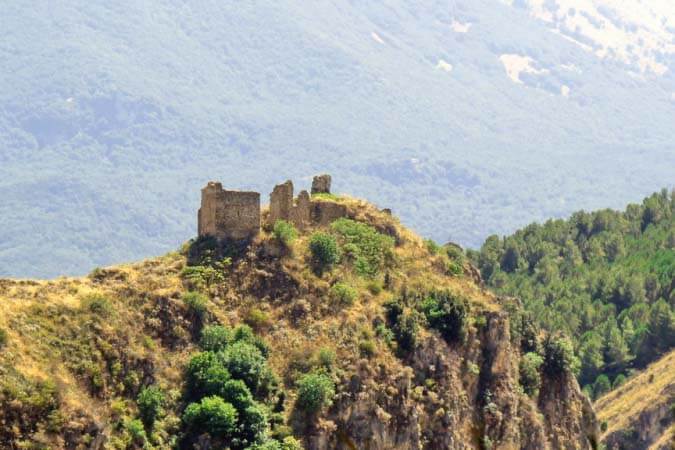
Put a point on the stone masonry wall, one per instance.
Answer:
(236, 215)
(281, 202)
(228, 214)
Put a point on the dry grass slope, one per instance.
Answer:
(645, 399)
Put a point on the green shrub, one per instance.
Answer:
(270, 444)
(285, 232)
(257, 319)
(404, 324)
(246, 362)
(530, 379)
(244, 333)
(559, 356)
(446, 313)
(367, 348)
(618, 381)
(197, 303)
(454, 268)
(315, 391)
(205, 375)
(326, 357)
(136, 431)
(253, 425)
(324, 251)
(237, 393)
(290, 443)
(150, 403)
(432, 247)
(601, 386)
(343, 294)
(3, 337)
(97, 303)
(206, 275)
(374, 287)
(370, 251)
(215, 338)
(455, 253)
(212, 415)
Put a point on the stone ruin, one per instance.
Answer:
(236, 215)
(228, 214)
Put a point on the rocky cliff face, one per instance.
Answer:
(456, 397)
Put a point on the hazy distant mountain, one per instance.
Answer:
(466, 117)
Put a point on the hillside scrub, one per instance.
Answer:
(174, 365)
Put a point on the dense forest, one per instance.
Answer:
(604, 278)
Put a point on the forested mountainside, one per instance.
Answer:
(606, 279)
(640, 414)
(466, 117)
(356, 334)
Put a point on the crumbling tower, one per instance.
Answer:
(228, 214)
(235, 215)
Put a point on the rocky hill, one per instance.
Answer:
(641, 413)
(354, 334)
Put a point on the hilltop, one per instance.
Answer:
(641, 413)
(355, 333)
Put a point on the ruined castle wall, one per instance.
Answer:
(302, 211)
(281, 202)
(238, 215)
(228, 214)
(325, 212)
(321, 184)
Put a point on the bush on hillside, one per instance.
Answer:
(197, 304)
(212, 415)
(404, 324)
(601, 386)
(205, 375)
(559, 356)
(530, 379)
(315, 391)
(369, 250)
(215, 338)
(447, 313)
(342, 294)
(150, 403)
(137, 433)
(97, 303)
(257, 319)
(285, 232)
(325, 357)
(324, 250)
(245, 361)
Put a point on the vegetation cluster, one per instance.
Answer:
(605, 279)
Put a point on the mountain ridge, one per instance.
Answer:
(173, 95)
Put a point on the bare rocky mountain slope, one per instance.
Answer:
(415, 354)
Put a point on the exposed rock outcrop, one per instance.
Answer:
(461, 396)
